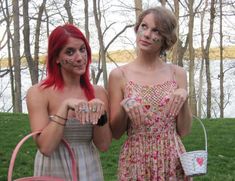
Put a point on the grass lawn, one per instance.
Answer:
(221, 148)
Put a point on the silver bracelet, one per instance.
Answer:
(51, 117)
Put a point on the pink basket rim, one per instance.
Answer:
(18, 146)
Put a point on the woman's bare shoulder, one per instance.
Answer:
(37, 91)
(119, 71)
(99, 88)
(34, 89)
(37, 97)
(178, 69)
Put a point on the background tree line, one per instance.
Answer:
(26, 24)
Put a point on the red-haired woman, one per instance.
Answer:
(65, 104)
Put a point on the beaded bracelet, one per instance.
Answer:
(51, 117)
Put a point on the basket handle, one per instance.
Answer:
(16, 150)
(204, 130)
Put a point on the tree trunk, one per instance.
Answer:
(163, 2)
(192, 95)
(36, 45)
(27, 52)
(176, 47)
(97, 16)
(67, 7)
(202, 61)
(138, 8)
(16, 57)
(87, 32)
(181, 50)
(9, 42)
(200, 89)
(221, 65)
(207, 58)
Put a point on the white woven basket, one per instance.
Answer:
(194, 162)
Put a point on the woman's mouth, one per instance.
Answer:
(145, 43)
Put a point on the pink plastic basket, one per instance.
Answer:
(41, 178)
(194, 162)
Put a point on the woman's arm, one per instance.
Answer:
(118, 117)
(52, 131)
(102, 135)
(184, 118)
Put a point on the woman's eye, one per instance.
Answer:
(82, 49)
(143, 26)
(70, 51)
(156, 31)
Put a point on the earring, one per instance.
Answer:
(162, 53)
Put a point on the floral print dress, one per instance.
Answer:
(149, 152)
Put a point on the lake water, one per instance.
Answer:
(229, 87)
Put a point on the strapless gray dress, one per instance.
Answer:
(87, 156)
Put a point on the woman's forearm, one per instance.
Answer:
(184, 120)
(118, 124)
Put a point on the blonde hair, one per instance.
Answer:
(166, 23)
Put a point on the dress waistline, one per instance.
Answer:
(151, 130)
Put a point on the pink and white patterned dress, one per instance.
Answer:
(149, 152)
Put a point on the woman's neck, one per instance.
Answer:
(71, 81)
(149, 61)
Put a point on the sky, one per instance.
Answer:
(119, 13)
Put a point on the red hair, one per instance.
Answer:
(57, 39)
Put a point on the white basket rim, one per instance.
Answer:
(193, 152)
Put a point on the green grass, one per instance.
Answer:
(221, 148)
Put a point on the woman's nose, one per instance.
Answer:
(147, 33)
(78, 55)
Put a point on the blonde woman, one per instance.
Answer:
(148, 100)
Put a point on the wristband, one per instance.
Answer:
(103, 120)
